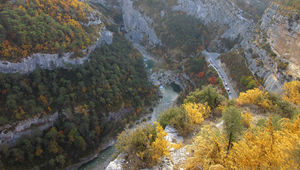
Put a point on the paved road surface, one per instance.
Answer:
(212, 58)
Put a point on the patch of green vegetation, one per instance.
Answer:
(208, 95)
(201, 75)
(185, 32)
(177, 118)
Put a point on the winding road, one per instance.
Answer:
(212, 58)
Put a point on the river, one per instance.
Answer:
(168, 99)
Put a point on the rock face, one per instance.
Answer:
(52, 61)
(137, 26)
(283, 32)
(276, 41)
(11, 132)
(221, 12)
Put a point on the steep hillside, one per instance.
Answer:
(256, 130)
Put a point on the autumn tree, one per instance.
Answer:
(208, 149)
(267, 148)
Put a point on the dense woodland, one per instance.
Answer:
(115, 78)
(47, 26)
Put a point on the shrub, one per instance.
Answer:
(282, 107)
(292, 92)
(208, 149)
(196, 112)
(143, 146)
(175, 117)
(185, 117)
(255, 96)
(247, 119)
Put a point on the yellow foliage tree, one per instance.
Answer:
(255, 96)
(260, 148)
(292, 92)
(208, 150)
(196, 112)
(266, 148)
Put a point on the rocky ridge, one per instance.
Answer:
(52, 61)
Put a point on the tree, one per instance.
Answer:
(212, 80)
(208, 149)
(233, 124)
(267, 148)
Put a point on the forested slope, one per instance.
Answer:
(113, 79)
(45, 26)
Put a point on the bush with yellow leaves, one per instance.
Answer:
(196, 112)
(143, 146)
(292, 92)
(247, 119)
(184, 117)
(255, 96)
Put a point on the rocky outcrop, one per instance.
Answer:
(10, 133)
(166, 77)
(283, 34)
(52, 61)
(137, 26)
